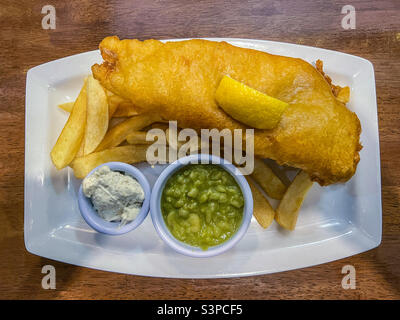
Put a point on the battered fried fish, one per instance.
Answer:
(178, 80)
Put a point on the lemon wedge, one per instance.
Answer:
(249, 106)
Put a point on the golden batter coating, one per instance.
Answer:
(178, 80)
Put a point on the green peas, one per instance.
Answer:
(183, 213)
(203, 197)
(193, 175)
(217, 231)
(180, 179)
(171, 217)
(237, 202)
(223, 198)
(202, 205)
(168, 191)
(223, 225)
(193, 193)
(208, 216)
(213, 206)
(169, 199)
(179, 203)
(216, 175)
(214, 196)
(230, 213)
(194, 221)
(198, 183)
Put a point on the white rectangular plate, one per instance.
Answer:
(335, 222)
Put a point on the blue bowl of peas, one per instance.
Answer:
(201, 205)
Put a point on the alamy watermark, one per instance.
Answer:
(49, 280)
(173, 144)
(349, 20)
(49, 20)
(349, 280)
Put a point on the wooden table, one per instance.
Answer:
(80, 26)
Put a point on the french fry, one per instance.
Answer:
(69, 141)
(139, 137)
(113, 101)
(119, 107)
(119, 133)
(128, 154)
(159, 125)
(80, 152)
(268, 180)
(288, 209)
(115, 121)
(67, 106)
(281, 171)
(125, 109)
(262, 210)
(96, 116)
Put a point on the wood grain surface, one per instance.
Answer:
(81, 25)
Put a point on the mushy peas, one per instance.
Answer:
(202, 205)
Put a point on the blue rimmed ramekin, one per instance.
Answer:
(158, 220)
(90, 215)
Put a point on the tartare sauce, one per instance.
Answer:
(114, 195)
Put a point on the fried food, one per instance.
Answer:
(288, 209)
(120, 107)
(96, 116)
(262, 210)
(178, 80)
(342, 94)
(69, 141)
(113, 102)
(116, 121)
(67, 106)
(129, 154)
(140, 137)
(159, 125)
(268, 180)
(125, 109)
(119, 133)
